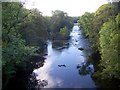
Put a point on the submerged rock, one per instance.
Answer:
(45, 54)
(62, 65)
(59, 48)
(78, 66)
(80, 48)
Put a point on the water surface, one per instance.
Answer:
(68, 67)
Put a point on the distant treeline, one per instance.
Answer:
(103, 30)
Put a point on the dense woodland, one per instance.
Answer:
(103, 30)
(24, 34)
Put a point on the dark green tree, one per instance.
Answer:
(14, 48)
(59, 20)
(35, 32)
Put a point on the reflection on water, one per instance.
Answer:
(68, 68)
(85, 68)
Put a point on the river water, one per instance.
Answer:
(68, 67)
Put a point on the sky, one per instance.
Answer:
(72, 7)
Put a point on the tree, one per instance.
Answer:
(35, 32)
(59, 20)
(85, 22)
(14, 49)
(64, 31)
(109, 43)
(105, 29)
(103, 14)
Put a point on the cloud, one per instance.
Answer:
(72, 7)
(44, 74)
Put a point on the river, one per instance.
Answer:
(68, 67)
(65, 64)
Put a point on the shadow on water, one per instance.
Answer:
(24, 79)
(85, 69)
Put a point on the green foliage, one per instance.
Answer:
(102, 15)
(103, 30)
(22, 27)
(64, 31)
(92, 23)
(109, 40)
(15, 53)
(35, 32)
(118, 20)
(108, 8)
(85, 22)
(14, 48)
(59, 20)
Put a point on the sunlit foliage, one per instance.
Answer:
(104, 32)
(85, 22)
(64, 31)
(109, 41)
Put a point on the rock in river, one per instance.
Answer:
(81, 49)
(62, 65)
